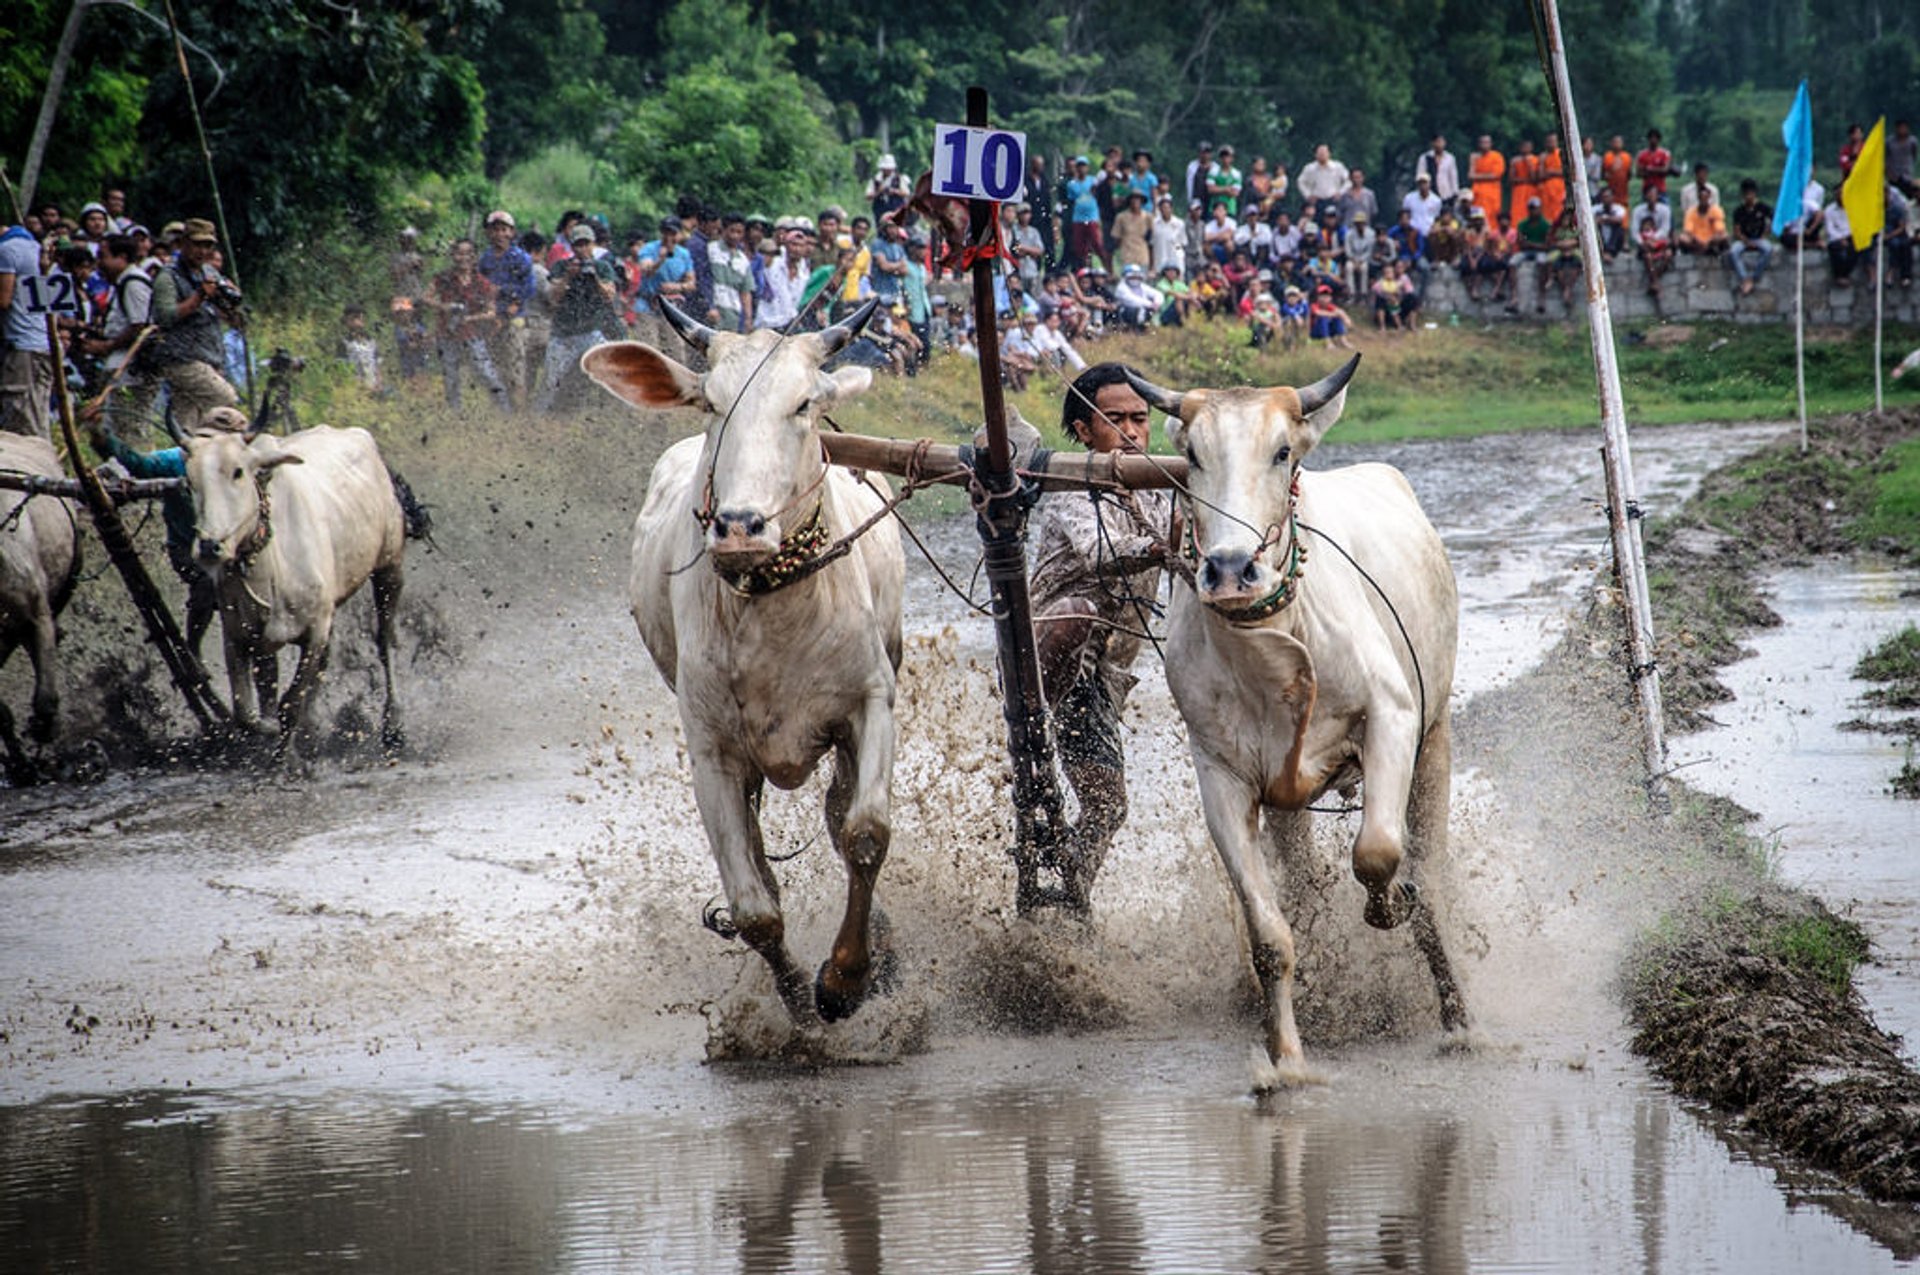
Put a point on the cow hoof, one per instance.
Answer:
(837, 1005)
(40, 727)
(1390, 908)
(393, 741)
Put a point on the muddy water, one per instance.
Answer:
(1822, 791)
(451, 1014)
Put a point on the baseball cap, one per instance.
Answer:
(93, 208)
(1325, 287)
(1359, 219)
(582, 232)
(1132, 270)
(500, 217)
(670, 222)
(803, 225)
(885, 163)
(1293, 290)
(1081, 159)
(136, 230)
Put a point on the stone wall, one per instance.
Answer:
(1696, 288)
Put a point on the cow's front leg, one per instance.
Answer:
(859, 819)
(725, 789)
(1387, 756)
(1232, 809)
(241, 678)
(297, 703)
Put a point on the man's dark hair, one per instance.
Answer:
(569, 217)
(687, 207)
(1653, 134)
(1749, 185)
(533, 242)
(1078, 409)
(861, 221)
(354, 310)
(1146, 155)
(733, 219)
(118, 245)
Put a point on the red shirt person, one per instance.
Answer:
(1654, 164)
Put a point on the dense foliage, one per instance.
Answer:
(327, 113)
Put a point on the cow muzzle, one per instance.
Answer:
(741, 539)
(209, 551)
(1232, 577)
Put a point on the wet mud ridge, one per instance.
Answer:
(1741, 997)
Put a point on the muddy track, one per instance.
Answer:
(1739, 996)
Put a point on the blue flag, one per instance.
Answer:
(1797, 133)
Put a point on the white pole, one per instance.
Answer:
(1879, 300)
(1622, 504)
(1800, 320)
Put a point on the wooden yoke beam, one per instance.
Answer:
(906, 458)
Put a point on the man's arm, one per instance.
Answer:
(7, 282)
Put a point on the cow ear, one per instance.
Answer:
(842, 382)
(1176, 433)
(643, 376)
(268, 454)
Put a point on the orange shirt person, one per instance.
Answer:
(1553, 182)
(1523, 182)
(1485, 171)
(1616, 169)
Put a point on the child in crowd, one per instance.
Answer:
(1327, 321)
(357, 348)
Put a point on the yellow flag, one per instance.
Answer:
(1865, 193)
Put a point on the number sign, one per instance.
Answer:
(50, 294)
(978, 163)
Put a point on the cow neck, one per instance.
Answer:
(1283, 593)
(262, 533)
(799, 553)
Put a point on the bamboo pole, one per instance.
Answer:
(119, 491)
(1800, 323)
(1622, 504)
(1040, 828)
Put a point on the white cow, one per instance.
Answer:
(773, 666)
(1297, 678)
(289, 529)
(39, 562)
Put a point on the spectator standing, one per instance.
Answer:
(357, 349)
(663, 268)
(889, 264)
(1421, 205)
(1438, 165)
(1849, 151)
(1039, 197)
(407, 271)
(1028, 248)
(191, 354)
(1523, 182)
(129, 411)
(1143, 180)
(1167, 240)
(1591, 166)
(510, 270)
(1655, 165)
(118, 223)
(786, 277)
(1322, 180)
(1259, 188)
(584, 295)
(1486, 171)
(468, 315)
(732, 272)
(1197, 168)
(26, 373)
(1553, 179)
(1357, 199)
(1085, 242)
(889, 190)
(1361, 241)
(1750, 250)
(1690, 193)
(539, 311)
(1224, 182)
(1902, 150)
(1112, 189)
(1130, 232)
(1195, 249)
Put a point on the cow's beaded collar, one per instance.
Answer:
(262, 526)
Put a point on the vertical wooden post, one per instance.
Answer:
(188, 675)
(1622, 504)
(1001, 504)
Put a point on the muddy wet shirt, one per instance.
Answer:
(1099, 551)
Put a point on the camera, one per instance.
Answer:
(285, 362)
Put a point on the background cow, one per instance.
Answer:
(1295, 679)
(289, 529)
(770, 675)
(39, 562)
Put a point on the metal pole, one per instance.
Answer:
(1800, 322)
(1622, 504)
(1039, 813)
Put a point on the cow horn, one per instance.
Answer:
(1321, 392)
(1164, 399)
(691, 330)
(844, 331)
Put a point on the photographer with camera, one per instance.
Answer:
(465, 302)
(584, 292)
(190, 301)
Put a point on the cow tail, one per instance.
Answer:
(418, 519)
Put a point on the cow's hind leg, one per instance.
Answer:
(386, 596)
(859, 819)
(729, 801)
(20, 768)
(1428, 809)
(41, 640)
(297, 703)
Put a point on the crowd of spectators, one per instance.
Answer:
(1094, 248)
